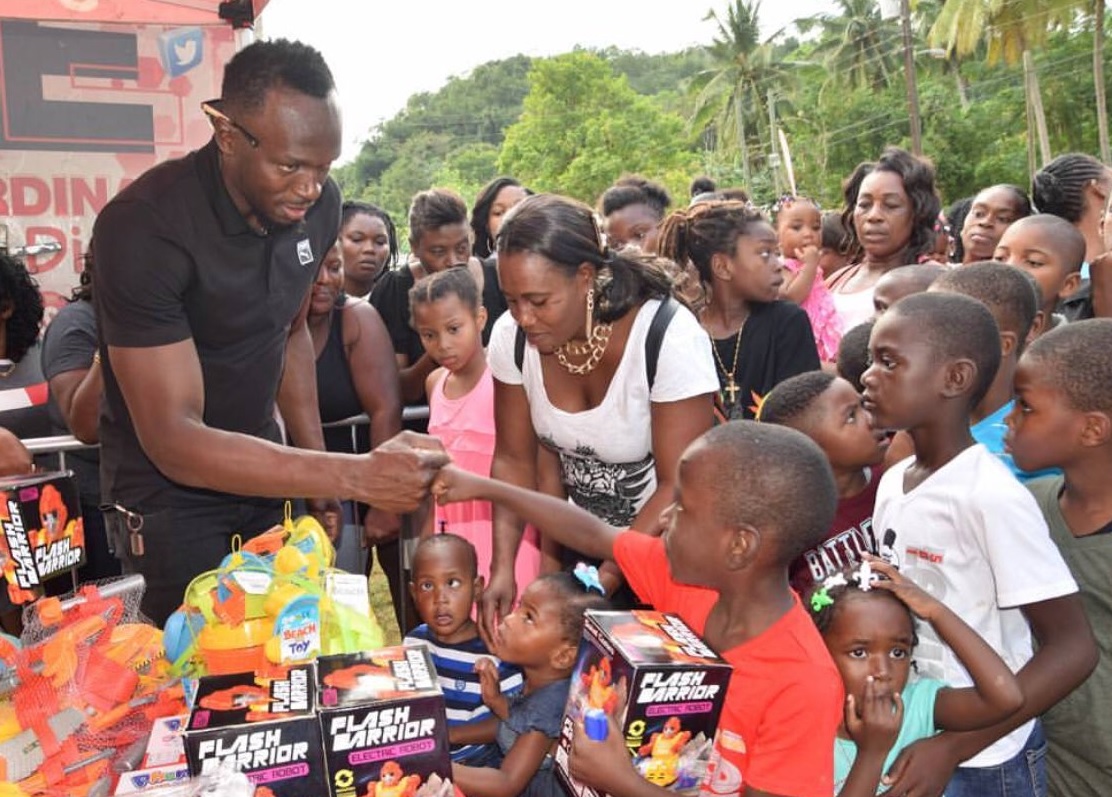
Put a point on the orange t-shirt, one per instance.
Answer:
(784, 702)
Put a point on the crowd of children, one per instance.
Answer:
(895, 525)
(950, 639)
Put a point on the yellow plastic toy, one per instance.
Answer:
(267, 603)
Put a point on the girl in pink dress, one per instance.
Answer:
(445, 311)
(799, 228)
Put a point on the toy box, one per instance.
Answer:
(266, 725)
(44, 534)
(383, 723)
(662, 685)
(164, 745)
(142, 780)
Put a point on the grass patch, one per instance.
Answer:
(382, 605)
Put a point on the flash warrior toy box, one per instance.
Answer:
(662, 685)
(383, 722)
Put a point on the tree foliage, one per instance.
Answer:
(573, 123)
(583, 126)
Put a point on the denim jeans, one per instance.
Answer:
(1023, 775)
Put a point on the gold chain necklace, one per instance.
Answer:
(731, 389)
(594, 348)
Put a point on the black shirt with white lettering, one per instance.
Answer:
(175, 261)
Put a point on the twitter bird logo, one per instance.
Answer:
(180, 50)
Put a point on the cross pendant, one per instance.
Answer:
(731, 390)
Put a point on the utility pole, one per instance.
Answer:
(909, 74)
(774, 155)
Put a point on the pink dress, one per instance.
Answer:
(819, 306)
(465, 426)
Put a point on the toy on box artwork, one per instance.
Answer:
(662, 685)
(383, 723)
(44, 534)
(264, 726)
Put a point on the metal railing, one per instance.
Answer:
(60, 444)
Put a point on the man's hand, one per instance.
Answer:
(329, 513)
(15, 459)
(496, 602)
(395, 477)
(380, 527)
(922, 769)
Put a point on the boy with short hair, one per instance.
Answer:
(1011, 295)
(828, 409)
(967, 531)
(1051, 250)
(734, 527)
(904, 281)
(445, 586)
(1063, 418)
(853, 353)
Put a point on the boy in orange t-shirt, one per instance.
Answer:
(722, 565)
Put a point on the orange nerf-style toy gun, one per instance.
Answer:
(235, 698)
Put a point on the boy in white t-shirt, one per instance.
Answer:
(962, 527)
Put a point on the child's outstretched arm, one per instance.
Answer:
(995, 694)
(561, 520)
(518, 768)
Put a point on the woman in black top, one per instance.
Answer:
(758, 340)
(355, 374)
(439, 238)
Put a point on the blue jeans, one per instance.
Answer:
(1023, 775)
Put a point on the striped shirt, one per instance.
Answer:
(463, 694)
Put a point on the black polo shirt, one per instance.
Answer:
(176, 261)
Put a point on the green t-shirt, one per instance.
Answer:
(1079, 729)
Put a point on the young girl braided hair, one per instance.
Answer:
(757, 340)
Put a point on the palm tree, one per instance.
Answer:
(859, 47)
(1011, 29)
(732, 96)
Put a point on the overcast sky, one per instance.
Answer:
(387, 51)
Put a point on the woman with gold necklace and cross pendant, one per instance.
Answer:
(577, 413)
(757, 340)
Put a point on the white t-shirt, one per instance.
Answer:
(606, 452)
(973, 537)
(854, 308)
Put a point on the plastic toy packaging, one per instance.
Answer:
(225, 781)
(78, 698)
(42, 534)
(274, 600)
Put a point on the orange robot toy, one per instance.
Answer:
(393, 782)
(600, 688)
(664, 750)
(55, 522)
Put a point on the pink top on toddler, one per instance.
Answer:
(465, 426)
(819, 305)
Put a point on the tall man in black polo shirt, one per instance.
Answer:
(204, 270)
